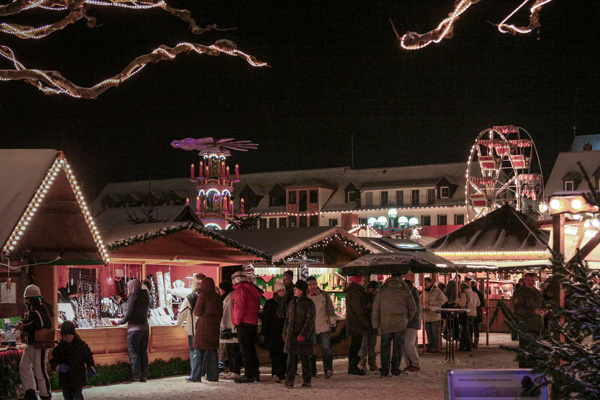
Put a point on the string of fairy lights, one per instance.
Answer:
(52, 82)
(416, 41)
(32, 208)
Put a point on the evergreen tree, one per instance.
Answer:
(569, 355)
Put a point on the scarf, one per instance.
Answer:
(281, 304)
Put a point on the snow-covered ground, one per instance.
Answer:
(424, 385)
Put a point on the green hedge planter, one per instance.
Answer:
(121, 372)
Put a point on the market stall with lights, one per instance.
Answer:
(46, 225)
(502, 243)
(168, 254)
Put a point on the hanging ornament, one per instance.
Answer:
(304, 268)
(8, 283)
(249, 269)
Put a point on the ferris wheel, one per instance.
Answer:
(503, 167)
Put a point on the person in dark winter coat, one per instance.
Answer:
(273, 320)
(479, 319)
(528, 306)
(138, 330)
(73, 360)
(209, 310)
(393, 307)
(244, 315)
(413, 363)
(288, 281)
(299, 335)
(31, 369)
(357, 321)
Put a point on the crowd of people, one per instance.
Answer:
(222, 325)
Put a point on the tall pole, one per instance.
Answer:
(352, 150)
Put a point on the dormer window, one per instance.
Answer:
(352, 193)
(444, 192)
(569, 186)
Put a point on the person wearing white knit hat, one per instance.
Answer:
(32, 367)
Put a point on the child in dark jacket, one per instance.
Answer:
(73, 360)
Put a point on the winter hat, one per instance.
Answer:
(289, 273)
(278, 286)
(356, 279)
(133, 285)
(239, 276)
(32, 291)
(373, 284)
(226, 286)
(302, 286)
(67, 328)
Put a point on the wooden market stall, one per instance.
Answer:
(169, 253)
(46, 223)
(499, 247)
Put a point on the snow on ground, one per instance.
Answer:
(425, 385)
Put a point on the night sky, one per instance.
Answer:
(336, 72)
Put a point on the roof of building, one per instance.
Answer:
(566, 163)
(39, 182)
(502, 230)
(582, 141)
(332, 182)
(284, 242)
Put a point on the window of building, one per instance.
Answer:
(333, 222)
(444, 192)
(442, 220)
(282, 222)
(293, 222)
(369, 199)
(384, 198)
(263, 223)
(425, 220)
(302, 198)
(569, 185)
(399, 197)
(314, 196)
(292, 197)
(351, 196)
(414, 199)
(277, 196)
(303, 220)
(459, 219)
(272, 223)
(430, 196)
(314, 220)
(363, 221)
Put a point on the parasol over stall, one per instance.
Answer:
(417, 260)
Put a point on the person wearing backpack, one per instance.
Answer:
(32, 368)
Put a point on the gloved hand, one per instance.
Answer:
(91, 372)
(63, 368)
(300, 338)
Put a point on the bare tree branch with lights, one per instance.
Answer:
(52, 82)
(416, 41)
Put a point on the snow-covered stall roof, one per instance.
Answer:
(130, 235)
(42, 209)
(285, 242)
(504, 236)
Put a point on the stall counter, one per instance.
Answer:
(109, 344)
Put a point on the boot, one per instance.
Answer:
(363, 363)
(475, 342)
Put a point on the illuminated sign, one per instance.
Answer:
(500, 384)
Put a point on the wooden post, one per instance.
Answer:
(487, 310)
